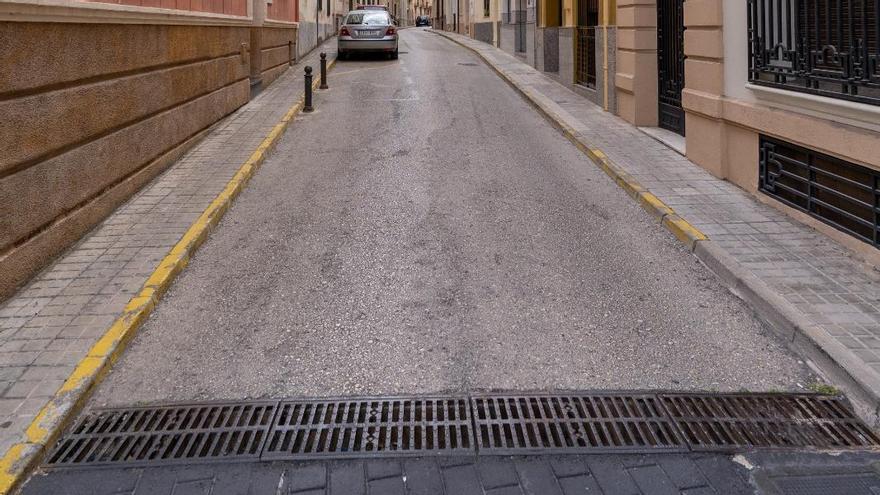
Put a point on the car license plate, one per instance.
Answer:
(368, 33)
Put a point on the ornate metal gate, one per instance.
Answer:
(825, 47)
(670, 63)
(585, 47)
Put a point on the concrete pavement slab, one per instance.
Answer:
(716, 474)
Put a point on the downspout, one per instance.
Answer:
(606, 19)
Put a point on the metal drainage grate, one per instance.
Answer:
(166, 434)
(370, 427)
(565, 423)
(725, 422)
(488, 423)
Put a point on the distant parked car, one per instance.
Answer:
(367, 30)
(372, 7)
(423, 20)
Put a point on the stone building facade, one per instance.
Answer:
(772, 101)
(99, 98)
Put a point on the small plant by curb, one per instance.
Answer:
(824, 388)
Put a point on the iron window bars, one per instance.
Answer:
(585, 55)
(842, 194)
(585, 67)
(825, 47)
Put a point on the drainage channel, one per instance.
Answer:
(478, 424)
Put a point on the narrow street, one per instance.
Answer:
(508, 247)
(420, 250)
(426, 231)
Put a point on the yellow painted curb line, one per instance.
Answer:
(69, 399)
(681, 228)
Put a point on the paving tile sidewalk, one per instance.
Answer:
(811, 281)
(49, 325)
(599, 474)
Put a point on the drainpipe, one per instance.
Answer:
(606, 19)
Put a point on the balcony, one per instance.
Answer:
(824, 47)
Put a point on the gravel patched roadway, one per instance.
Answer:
(426, 231)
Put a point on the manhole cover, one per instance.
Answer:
(562, 423)
(166, 434)
(370, 427)
(735, 421)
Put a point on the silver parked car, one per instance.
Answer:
(367, 30)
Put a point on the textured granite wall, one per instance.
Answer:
(483, 31)
(530, 43)
(507, 38)
(277, 49)
(92, 113)
(566, 55)
(550, 45)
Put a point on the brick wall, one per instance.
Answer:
(283, 10)
(229, 7)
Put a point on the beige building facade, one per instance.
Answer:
(317, 22)
(454, 15)
(573, 41)
(774, 100)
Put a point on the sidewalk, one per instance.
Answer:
(820, 299)
(93, 295)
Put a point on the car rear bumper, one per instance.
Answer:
(353, 45)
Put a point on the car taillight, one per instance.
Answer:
(390, 31)
(344, 31)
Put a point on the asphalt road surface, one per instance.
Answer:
(423, 231)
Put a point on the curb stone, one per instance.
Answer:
(801, 335)
(823, 354)
(46, 427)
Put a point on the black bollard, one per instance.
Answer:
(307, 107)
(323, 71)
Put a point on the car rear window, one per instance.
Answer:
(368, 18)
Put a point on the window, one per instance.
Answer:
(369, 18)
(842, 194)
(825, 47)
(486, 9)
